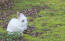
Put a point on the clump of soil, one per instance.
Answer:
(33, 11)
(30, 12)
(6, 4)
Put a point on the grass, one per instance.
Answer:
(53, 18)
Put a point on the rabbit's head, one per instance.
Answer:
(22, 18)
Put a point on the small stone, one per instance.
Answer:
(58, 24)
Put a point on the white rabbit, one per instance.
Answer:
(17, 24)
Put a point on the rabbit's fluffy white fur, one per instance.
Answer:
(17, 24)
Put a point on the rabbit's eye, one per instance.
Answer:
(22, 20)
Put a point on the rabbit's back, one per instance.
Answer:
(13, 21)
(13, 25)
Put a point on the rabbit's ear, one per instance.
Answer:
(18, 14)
